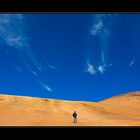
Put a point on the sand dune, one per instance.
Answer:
(122, 110)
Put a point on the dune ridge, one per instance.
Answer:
(120, 110)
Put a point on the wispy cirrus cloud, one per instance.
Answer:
(101, 28)
(51, 67)
(45, 86)
(101, 69)
(97, 27)
(101, 25)
(48, 65)
(34, 73)
(12, 34)
(11, 30)
(90, 69)
(131, 63)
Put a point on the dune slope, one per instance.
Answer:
(122, 110)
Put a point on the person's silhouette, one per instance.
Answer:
(75, 116)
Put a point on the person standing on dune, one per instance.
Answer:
(75, 116)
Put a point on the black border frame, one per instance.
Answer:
(36, 6)
(61, 6)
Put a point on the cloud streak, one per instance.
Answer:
(51, 67)
(97, 28)
(47, 64)
(90, 69)
(45, 86)
(101, 69)
(48, 88)
(135, 56)
(101, 30)
(132, 63)
(11, 30)
(12, 34)
(101, 25)
(94, 70)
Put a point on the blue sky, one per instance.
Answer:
(69, 56)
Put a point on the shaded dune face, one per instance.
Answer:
(122, 110)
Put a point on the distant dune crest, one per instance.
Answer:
(121, 110)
